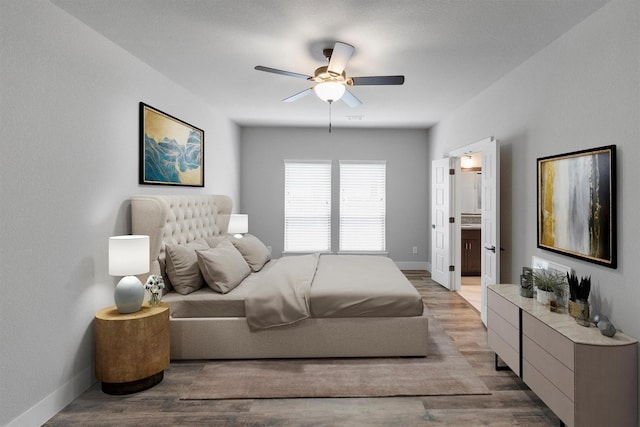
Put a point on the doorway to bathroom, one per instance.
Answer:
(468, 184)
(446, 218)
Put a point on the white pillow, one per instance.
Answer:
(223, 267)
(253, 250)
(182, 266)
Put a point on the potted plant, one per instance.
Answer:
(546, 283)
(578, 291)
(580, 303)
(573, 282)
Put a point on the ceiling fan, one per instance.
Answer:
(332, 81)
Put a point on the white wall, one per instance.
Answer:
(262, 190)
(582, 91)
(69, 138)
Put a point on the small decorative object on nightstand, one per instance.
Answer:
(132, 350)
(128, 255)
(154, 285)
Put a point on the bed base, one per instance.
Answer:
(180, 219)
(230, 338)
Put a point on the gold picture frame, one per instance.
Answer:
(171, 150)
(577, 205)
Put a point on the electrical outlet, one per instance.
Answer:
(415, 249)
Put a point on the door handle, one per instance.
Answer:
(492, 249)
(433, 226)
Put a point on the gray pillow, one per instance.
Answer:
(253, 250)
(182, 266)
(223, 267)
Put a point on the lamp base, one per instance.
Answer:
(129, 294)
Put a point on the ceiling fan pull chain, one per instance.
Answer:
(330, 116)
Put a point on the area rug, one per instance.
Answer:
(444, 371)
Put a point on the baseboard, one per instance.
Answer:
(414, 265)
(42, 411)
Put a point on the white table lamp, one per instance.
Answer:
(128, 255)
(238, 225)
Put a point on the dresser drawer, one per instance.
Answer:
(560, 404)
(508, 354)
(548, 366)
(503, 330)
(508, 310)
(560, 347)
(509, 333)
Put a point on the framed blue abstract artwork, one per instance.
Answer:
(171, 151)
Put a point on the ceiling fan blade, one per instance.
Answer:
(298, 95)
(339, 57)
(282, 72)
(378, 80)
(350, 99)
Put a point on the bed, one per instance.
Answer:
(292, 307)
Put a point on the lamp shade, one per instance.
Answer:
(329, 91)
(128, 255)
(238, 224)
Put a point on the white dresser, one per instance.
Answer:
(586, 378)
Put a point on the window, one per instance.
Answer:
(362, 206)
(307, 206)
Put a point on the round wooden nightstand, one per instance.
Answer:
(132, 350)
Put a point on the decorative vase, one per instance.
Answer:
(154, 298)
(583, 314)
(543, 297)
(574, 309)
(526, 292)
(129, 295)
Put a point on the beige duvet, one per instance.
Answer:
(299, 287)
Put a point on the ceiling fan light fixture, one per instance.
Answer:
(329, 91)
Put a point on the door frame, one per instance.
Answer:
(481, 146)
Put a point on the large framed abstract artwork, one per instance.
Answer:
(577, 204)
(171, 151)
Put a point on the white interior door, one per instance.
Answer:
(441, 228)
(490, 220)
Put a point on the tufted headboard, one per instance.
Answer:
(178, 220)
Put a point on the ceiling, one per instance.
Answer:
(448, 50)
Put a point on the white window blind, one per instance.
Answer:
(307, 206)
(362, 206)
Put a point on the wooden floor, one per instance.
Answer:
(510, 404)
(470, 290)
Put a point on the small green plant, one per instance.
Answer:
(548, 280)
